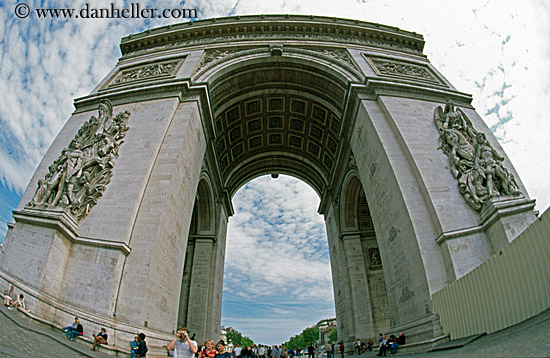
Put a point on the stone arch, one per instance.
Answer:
(349, 200)
(359, 238)
(245, 96)
(204, 210)
(283, 115)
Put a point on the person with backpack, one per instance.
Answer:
(142, 348)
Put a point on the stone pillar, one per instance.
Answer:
(218, 264)
(402, 222)
(340, 276)
(151, 281)
(360, 297)
(201, 289)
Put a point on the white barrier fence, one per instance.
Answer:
(509, 288)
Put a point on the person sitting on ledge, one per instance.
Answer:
(370, 345)
(383, 346)
(74, 330)
(19, 304)
(9, 297)
(101, 338)
(398, 342)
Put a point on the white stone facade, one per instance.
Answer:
(345, 106)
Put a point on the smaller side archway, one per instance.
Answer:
(365, 269)
(200, 274)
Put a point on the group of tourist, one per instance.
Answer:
(390, 343)
(184, 347)
(361, 347)
(14, 302)
(76, 329)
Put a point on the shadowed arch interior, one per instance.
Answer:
(282, 115)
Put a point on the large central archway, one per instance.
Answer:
(142, 189)
(283, 114)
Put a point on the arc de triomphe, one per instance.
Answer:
(124, 222)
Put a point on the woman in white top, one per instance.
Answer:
(19, 303)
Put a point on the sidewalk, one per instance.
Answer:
(24, 338)
(530, 338)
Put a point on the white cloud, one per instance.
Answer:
(277, 240)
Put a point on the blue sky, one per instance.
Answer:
(277, 261)
(498, 51)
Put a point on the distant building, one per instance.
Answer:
(325, 327)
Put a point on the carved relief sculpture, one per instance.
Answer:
(473, 161)
(163, 69)
(79, 176)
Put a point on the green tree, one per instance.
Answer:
(237, 339)
(308, 335)
(333, 336)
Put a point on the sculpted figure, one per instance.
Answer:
(472, 160)
(105, 111)
(79, 176)
(47, 185)
(488, 165)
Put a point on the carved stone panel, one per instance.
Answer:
(475, 164)
(79, 176)
(375, 262)
(401, 69)
(150, 71)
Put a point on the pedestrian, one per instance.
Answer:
(220, 348)
(74, 330)
(383, 346)
(19, 304)
(134, 346)
(311, 351)
(275, 352)
(238, 351)
(101, 338)
(328, 349)
(342, 348)
(208, 351)
(142, 348)
(357, 345)
(284, 351)
(183, 346)
(9, 297)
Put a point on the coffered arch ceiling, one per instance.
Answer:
(277, 116)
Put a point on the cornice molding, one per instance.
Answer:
(272, 27)
(64, 223)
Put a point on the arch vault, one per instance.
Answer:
(137, 186)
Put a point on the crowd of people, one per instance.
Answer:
(184, 347)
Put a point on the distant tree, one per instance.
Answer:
(237, 339)
(333, 336)
(308, 335)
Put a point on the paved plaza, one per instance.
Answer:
(23, 338)
(530, 338)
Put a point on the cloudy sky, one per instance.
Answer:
(498, 51)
